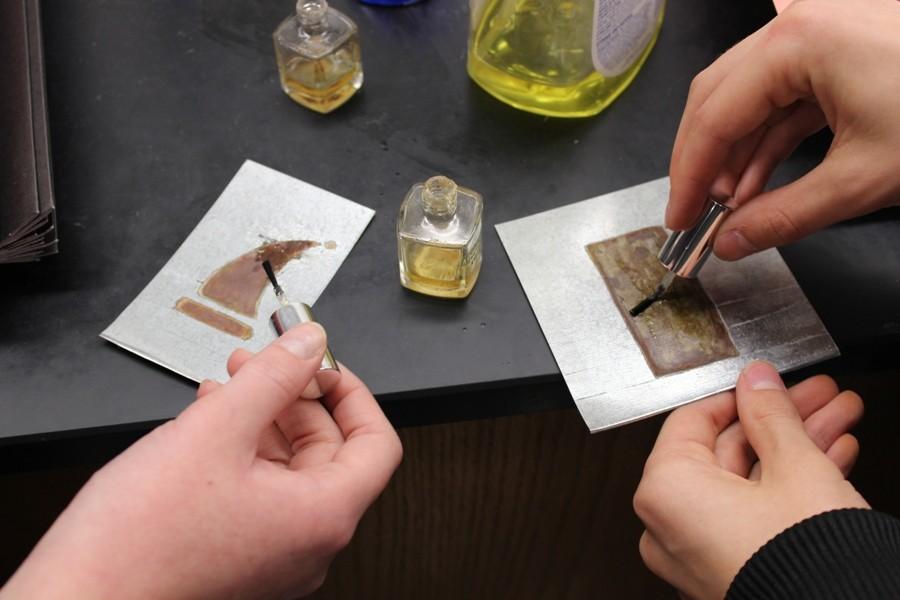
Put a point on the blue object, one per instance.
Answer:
(389, 2)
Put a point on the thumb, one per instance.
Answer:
(769, 418)
(270, 381)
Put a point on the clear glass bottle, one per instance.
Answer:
(439, 238)
(318, 56)
(561, 58)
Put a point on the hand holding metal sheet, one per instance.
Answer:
(762, 308)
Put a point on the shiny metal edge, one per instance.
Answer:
(761, 304)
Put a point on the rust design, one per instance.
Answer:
(213, 318)
(681, 331)
(239, 284)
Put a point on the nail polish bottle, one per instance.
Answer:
(318, 56)
(439, 238)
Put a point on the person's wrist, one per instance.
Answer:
(841, 540)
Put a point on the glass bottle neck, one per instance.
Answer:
(439, 200)
(311, 17)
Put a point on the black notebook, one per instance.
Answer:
(27, 211)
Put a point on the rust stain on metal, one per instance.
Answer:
(213, 318)
(238, 285)
(681, 331)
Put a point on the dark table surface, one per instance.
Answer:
(154, 106)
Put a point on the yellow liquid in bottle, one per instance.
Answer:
(536, 56)
(325, 83)
(448, 272)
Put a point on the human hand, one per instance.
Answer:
(820, 62)
(716, 489)
(250, 492)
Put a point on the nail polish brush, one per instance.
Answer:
(290, 314)
(685, 253)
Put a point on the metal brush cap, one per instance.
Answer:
(295, 313)
(685, 251)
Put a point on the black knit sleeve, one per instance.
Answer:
(846, 554)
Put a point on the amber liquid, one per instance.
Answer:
(323, 84)
(444, 271)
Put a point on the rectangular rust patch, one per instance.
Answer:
(213, 318)
(681, 331)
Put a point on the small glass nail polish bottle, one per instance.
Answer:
(439, 238)
(318, 56)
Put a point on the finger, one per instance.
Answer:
(724, 185)
(833, 420)
(304, 433)
(742, 101)
(769, 418)
(705, 83)
(844, 452)
(207, 386)
(653, 554)
(683, 209)
(241, 356)
(237, 360)
(372, 450)
(695, 427)
(268, 382)
(658, 560)
(272, 443)
(311, 433)
(273, 446)
(779, 142)
(789, 213)
(733, 451)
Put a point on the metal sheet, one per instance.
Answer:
(760, 302)
(258, 204)
(683, 330)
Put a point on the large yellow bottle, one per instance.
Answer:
(562, 58)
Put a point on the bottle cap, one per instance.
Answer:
(294, 313)
(685, 251)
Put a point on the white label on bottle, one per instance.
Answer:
(622, 29)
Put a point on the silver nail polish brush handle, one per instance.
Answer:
(291, 314)
(685, 252)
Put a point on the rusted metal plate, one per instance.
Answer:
(683, 330)
(259, 206)
(239, 284)
(757, 299)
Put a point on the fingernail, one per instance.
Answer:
(722, 187)
(761, 375)
(306, 340)
(734, 244)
